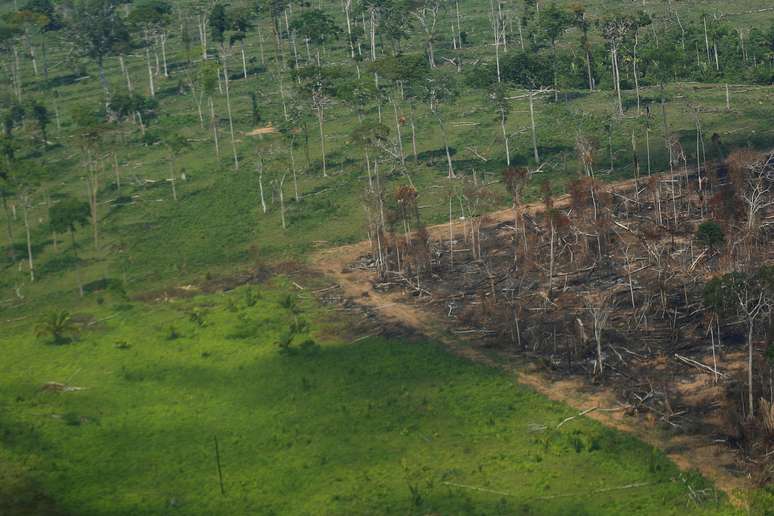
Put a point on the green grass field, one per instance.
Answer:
(331, 427)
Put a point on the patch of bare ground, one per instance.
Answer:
(624, 261)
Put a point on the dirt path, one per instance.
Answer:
(715, 461)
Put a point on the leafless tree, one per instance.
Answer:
(599, 307)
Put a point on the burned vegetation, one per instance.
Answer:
(660, 288)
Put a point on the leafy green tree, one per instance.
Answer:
(65, 217)
(389, 20)
(7, 189)
(12, 117)
(24, 177)
(59, 326)
(554, 21)
(276, 9)
(407, 74)
(582, 24)
(219, 25)
(372, 137)
(30, 24)
(96, 30)
(122, 106)
(8, 39)
(241, 22)
(42, 118)
(440, 89)
(319, 85)
(317, 28)
(207, 79)
(151, 18)
(663, 63)
(53, 23)
(297, 122)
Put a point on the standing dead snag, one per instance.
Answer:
(585, 149)
(515, 180)
(749, 296)
(599, 306)
(479, 200)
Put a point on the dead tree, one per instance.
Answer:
(515, 180)
(599, 307)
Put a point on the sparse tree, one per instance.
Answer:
(66, 216)
(96, 29)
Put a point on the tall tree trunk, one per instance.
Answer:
(203, 36)
(9, 227)
(505, 139)
(320, 118)
(532, 125)
(150, 69)
(617, 79)
(172, 174)
(281, 185)
(93, 186)
(17, 73)
(293, 168)
(163, 38)
(588, 70)
(260, 46)
(259, 167)
(347, 5)
(126, 73)
(77, 265)
(635, 73)
(750, 400)
(44, 55)
(214, 124)
(446, 145)
(117, 172)
(397, 132)
(25, 203)
(551, 258)
(228, 109)
(244, 61)
(496, 32)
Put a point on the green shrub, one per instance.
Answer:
(197, 316)
(71, 419)
(284, 342)
(172, 333)
(251, 297)
(710, 234)
(245, 329)
(290, 302)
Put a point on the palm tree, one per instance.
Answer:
(59, 326)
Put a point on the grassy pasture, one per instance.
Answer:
(332, 427)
